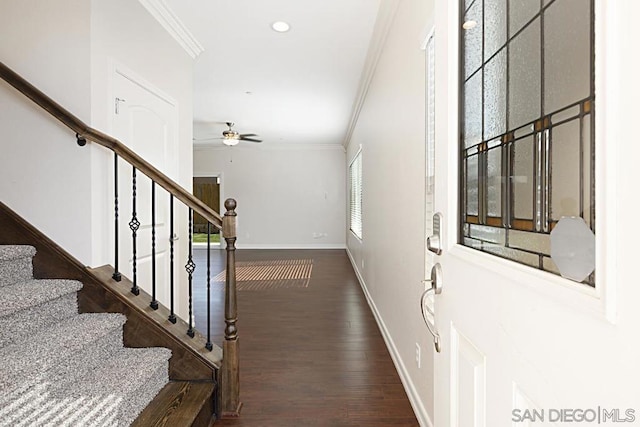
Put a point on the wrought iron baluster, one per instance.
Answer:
(116, 271)
(134, 225)
(172, 316)
(154, 303)
(208, 345)
(190, 267)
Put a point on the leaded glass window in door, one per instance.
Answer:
(527, 153)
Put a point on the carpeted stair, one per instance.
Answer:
(61, 368)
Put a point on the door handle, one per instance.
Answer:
(434, 242)
(436, 288)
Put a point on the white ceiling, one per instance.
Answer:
(297, 87)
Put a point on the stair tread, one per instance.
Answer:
(177, 404)
(9, 252)
(112, 393)
(29, 293)
(123, 373)
(46, 350)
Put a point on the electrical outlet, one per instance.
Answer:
(418, 360)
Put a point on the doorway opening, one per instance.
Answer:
(207, 190)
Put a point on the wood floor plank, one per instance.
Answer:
(178, 404)
(308, 356)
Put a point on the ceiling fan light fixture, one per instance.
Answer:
(231, 141)
(280, 27)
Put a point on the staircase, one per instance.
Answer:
(64, 368)
(66, 359)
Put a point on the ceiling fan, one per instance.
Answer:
(232, 137)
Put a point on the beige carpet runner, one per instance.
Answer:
(263, 275)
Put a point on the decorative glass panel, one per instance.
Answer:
(513, 254)
(488, 234)
(495, 33)
(472, 185)
(566, 114)
(473, 243)
(473, 39)
(565, 170)
(522, 179)
(567, 53)
(549, 265)
(527, 127)
(537, 242)
(587, 170)
(495, 96)
(494, 182)
(473, 110)
(430, 161)
(521, 12)
(524, 76)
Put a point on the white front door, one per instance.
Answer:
(145, 121)
(522, 346)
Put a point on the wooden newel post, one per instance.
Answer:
(230, 381)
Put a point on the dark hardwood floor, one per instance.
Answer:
(308, 356)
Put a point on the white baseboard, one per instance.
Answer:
(291, 246)
(418, 408)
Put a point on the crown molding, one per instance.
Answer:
(172, 24)
(267, 147)
(384, 20)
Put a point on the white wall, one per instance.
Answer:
(285, 194)
(124, 34)
(67, 48)
(44, 175)
(136, 41)
(390, 257)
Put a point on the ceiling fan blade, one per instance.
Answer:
(207, 139)
(250, 139)
(243, 135)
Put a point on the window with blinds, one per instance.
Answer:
(355, 195)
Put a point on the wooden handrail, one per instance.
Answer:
(229, 395)
(85, 132)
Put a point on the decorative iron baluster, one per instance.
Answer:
(134, 225)
(190, 267)
(172, 316)
(116, 271)
(154, 303)
(208, 345)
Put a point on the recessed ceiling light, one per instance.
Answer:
(468, 25)
(280, 26)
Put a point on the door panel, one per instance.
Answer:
(468, 382)
(515, 337)
(146, 123)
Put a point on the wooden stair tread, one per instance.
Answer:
(179, 403)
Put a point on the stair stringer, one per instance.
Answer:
(144, 327)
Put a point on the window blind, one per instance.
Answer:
(355, 195)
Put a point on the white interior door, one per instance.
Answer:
(522, 346)
(145, 121)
